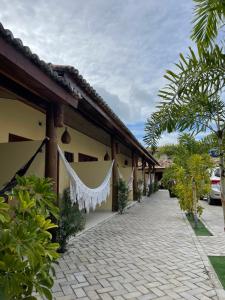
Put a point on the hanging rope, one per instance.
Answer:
(86, 197)
(22, 171)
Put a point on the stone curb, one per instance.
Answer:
(207, 227)
(206, 262)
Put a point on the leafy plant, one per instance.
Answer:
(122, 195)
(71, 221)
(26, 250)
(168, 175)
(156, 186)
(139, 191)
(150, 189)
(192, 182)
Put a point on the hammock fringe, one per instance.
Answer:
(87, 198)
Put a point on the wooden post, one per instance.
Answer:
(51, 155)
(59, 115)
(150, 179)
(114, 176)
(143, 176)
(134, 165)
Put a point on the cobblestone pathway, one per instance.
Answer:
(147, 253)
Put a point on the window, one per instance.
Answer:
(17, 138)
(69, 156)
(217, 172)
(83, 157)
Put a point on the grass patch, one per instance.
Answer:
(200, 230)
(218, 263)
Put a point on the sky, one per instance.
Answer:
(121, 47)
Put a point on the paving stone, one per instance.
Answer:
(132, 295)
(79, 292)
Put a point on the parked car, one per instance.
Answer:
(215, 194)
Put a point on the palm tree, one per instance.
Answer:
(192, 100)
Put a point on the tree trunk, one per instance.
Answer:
(222, 177)
(194, 202)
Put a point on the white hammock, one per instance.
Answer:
(130, 180)
(86, 197)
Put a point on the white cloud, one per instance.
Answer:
(169, 138)
(121, 47)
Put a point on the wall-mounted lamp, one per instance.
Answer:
(66, 138)
(106, 156)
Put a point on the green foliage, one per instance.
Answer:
(71, 221)
(209, 17)
(26, 250)
(168, 175)
(150, 189)
(122, 195)
(190, 100)
(200, 229)
(196, 169)
(139, 191)
(155, 186)
(218, 263)
(169, 150)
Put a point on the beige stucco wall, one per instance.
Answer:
(14, 155)
(20, 119)
(81, 143)
(121, 159)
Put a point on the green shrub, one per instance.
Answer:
(139, 191)
(155, 186)
(26, 250)
(150, 190)
(71, 221)
(195, 171)
(122, 195)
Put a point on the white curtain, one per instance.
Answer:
(86, 197)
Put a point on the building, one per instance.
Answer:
(38, 100)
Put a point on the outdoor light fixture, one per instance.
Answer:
(66, 138)
(107, 157)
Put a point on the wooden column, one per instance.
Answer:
(114, 176)
(134, 165)
(51, 155)
(143, 176)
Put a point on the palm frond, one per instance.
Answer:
(209, 15)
